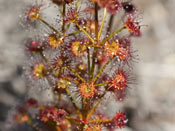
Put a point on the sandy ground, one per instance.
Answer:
(150, 104)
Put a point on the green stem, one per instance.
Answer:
(103, 20)
(81, 28)
(51, 27)
(95, 49)
(111, 35)
(73, 103)
(100, 121)
(44, 58)
(93, 109)
(102, 84)
(93, 64)
(89, 64)
(74, 33)
(95, 106)
(78, 3)
(101, 71)
(76, 74)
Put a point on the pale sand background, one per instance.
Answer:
(151, 103)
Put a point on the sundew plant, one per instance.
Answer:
(84, 59)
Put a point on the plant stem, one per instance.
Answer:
(75, 106)
(101, 70)
(93, 63)
(102, 84)
(111, 35)
(95, 106)
(103, 20)
(74, 33)
(64, 9)
(87, 101)
(93, 109)
(110, 23)
(59, 95)
(100, 121)
(96, 21)
(76, 74)
(89, 64)
(81, 28)
(74, 119)
(87, 106)
(44, 58)
(96, 35)
(51, 27)
(78, 3)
